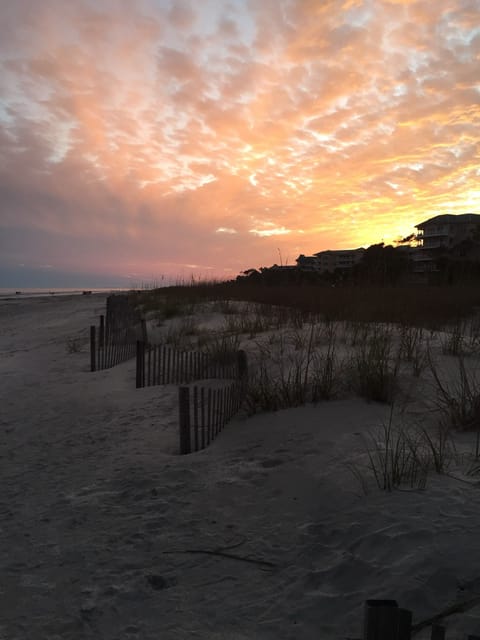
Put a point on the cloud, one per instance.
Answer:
(270, 230)
(162, 134)
(228, 230)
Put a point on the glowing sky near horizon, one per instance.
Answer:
(163, 137)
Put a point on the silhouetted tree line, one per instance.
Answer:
(383, 265)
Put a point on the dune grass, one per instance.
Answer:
(425, 306)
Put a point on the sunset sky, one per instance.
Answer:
(168, 137)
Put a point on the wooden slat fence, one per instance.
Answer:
(121, 316)
(159, 365)
(105, 352)
(114, 340)
(204, 412)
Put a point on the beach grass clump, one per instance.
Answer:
(183, 334)
(438, 446)
(268, 392)
(396, 458)
(297, 339)
(326, 330)
(411, 339)
(290, 372)
(400, 456)
(326, 376)
(462, 338)
(222, 349)
(225, 307)
(420, 359)
(173, 308)
(358, 332)
(458, 402)
(280, 377)
(453, 341)
(472, 336)
(413, 348)
(262, 392)
(251, 322)
(373, 368)
(163, 306)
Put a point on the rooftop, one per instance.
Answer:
(449, 218)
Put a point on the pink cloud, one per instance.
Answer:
(149, 129)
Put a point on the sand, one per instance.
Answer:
(104, 529)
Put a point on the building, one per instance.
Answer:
(330, 261)
(440, 234)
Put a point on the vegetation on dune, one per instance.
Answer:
(311, 342)
(429, 306)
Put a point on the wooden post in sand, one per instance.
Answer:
(385, 621)
(438, 632)
(242, 369)
(143, 327)
(195, 417)
(140, 371)
(184, 419)
(101, 343)
(92, 348)
(101, 337)
(404, 622)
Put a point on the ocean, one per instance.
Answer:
(6, 293)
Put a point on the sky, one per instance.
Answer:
(146, 140)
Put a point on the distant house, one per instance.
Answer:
(439, 234)
(330, 261)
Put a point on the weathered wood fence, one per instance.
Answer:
(114, 340)
(385, 620)
(204, 412)
(159, 365)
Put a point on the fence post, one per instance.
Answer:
(184, 419)
(93, 359)
(438, 632)
(242, 365)
(101, 337)
(140, 371)
(404, 628)
(143, 325)
(381, 620)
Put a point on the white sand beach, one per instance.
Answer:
(105, 531)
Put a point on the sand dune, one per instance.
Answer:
(106, 533)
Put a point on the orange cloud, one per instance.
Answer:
(215, 134)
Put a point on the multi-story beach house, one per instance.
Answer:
(439, 234)
(330, 260)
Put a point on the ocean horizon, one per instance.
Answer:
(36, 292)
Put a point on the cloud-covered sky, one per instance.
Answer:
(157, 137)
